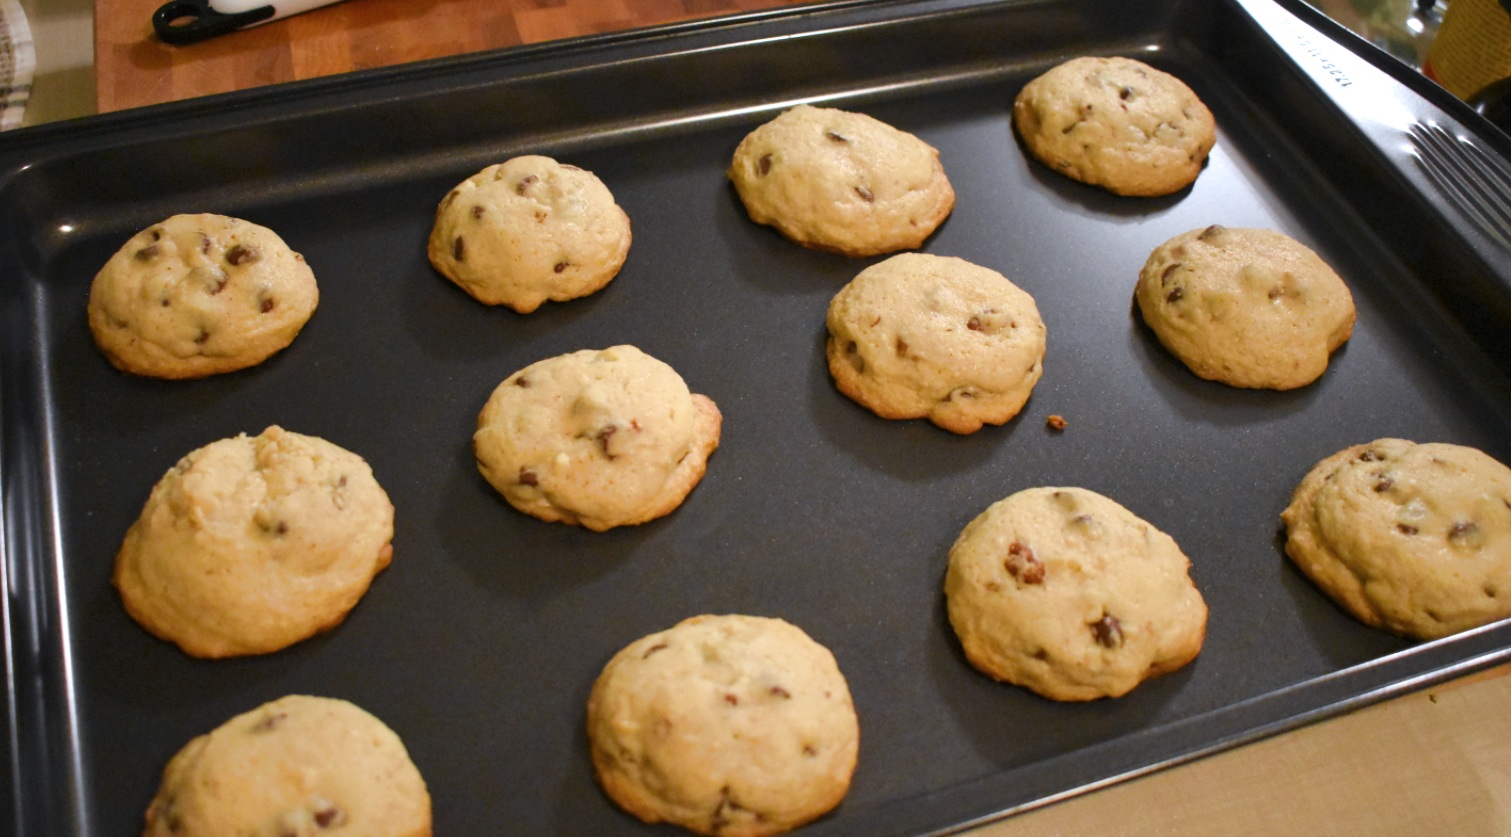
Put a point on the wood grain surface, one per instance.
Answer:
(133, 68)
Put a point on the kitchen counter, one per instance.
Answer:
(1436, 761)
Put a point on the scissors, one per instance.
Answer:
(180, 22)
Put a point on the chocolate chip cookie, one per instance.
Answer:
(1247, 307)
(1116, 123)
(299, 766)
(529, 230)
(840, 181)
(1412, 538)
(596, 438)
(1068, 593)
(936, 337)
(737, 726)
(253, 543)
(198, 295)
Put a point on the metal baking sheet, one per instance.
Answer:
(479, 644)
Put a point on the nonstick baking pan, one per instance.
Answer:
(479, 644)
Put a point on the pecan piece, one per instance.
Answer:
(1023, 565)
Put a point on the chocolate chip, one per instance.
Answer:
(809, 750)
(1383, 483)
(604, 436)
(241, 254)
(148, 253)
(660, 646)
(522, 382)
(1023, 565)
(902, 347)
(865, 194)
(560, 266)
(527, 477)
(1210, 232)
(1406, 529)
(268, 303)
(458, 249)
(204, 244)
(1464, 532)
(974, 324)
(1370, 455)
(156, 234)
(166, 302)
(330, 817)
(763, 166)
(1276, 293)
(1164, 276)
(781, 692)
(525, 184)
(203, 338)
(271, 722)
(1175, 295)
(731, 698)
(1108, 631)
(477, 211)
(1125, 93)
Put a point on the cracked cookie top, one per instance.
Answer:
(253, 543)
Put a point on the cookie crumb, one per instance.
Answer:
(1055, 423)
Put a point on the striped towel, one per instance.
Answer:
(18, 60)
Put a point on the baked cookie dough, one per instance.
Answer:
(1116, 123)
(1248, 307)
(1412, 538)
(736, 726)
(253, 543)
(843, 182)
(596, 438)
(529, 230)
(936, 337)
(197, 295)
(1068, 593)
(299, 766)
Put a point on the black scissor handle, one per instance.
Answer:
(180, 22)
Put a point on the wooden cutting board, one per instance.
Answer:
(133, 68)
